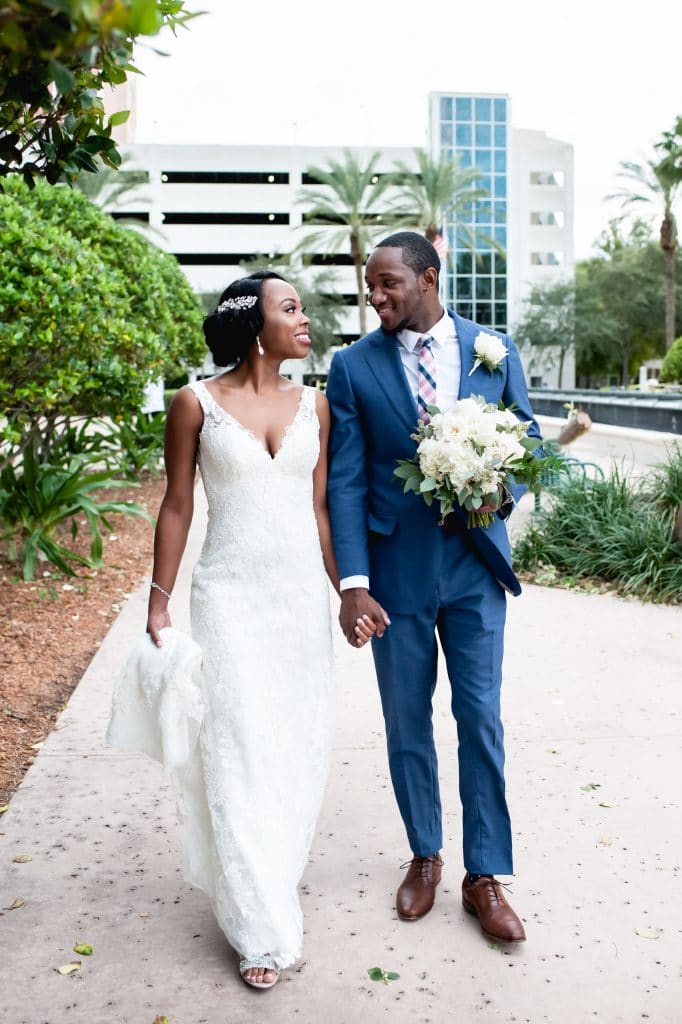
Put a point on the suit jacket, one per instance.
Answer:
(379, 531)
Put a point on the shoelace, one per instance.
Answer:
(422, 863)
(492, 883)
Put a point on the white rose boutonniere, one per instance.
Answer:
(489, 351)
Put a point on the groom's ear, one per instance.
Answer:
(430, 278)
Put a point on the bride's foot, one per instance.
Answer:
(259, 971)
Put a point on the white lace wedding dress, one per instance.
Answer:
(250, 796)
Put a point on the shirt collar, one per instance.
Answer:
(441, 332)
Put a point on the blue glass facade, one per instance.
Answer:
(475, 129)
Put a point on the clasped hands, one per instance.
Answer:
(361, 617)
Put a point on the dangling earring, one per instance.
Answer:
(261, 350)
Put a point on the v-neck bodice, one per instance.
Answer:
(255, 498)
(222, 411)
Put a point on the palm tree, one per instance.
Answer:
(110, 189)
(350, 203)
(656, 182)
(439, 189)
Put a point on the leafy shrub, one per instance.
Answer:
(614, 530)
(36, 500)
(671, 370)
(668, 480)
(89, 313)
(138, 443)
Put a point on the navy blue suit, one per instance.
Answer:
(427, 580)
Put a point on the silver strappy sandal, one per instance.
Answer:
(265, 961)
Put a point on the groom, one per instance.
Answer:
(393, 555)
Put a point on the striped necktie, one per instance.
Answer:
(426, 377)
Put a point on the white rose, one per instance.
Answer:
(508, 449)
(507, 419)
(489, 351)
(484, 432)
(461, 419)
(430, 457)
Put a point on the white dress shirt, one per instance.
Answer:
(447, 358)
(446, 355)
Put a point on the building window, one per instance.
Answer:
(225, 218)
(119, 215)
(224, 178)
(473, 129)
(547, 178)
(547, 218)
(331, 259)
(546, 259)
(224, 259)
(310, 179)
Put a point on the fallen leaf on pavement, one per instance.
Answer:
(605, 803)
(145, 913)
(3, 808)
(23, 858)
(162, 1020)
(379, 974)
(646, 933)
(590, 786)
(83, 949)
(75, 965)
(17, 903)
(606, 841)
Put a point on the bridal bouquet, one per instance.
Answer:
(466, 454)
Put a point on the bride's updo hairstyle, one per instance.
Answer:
(231, 330)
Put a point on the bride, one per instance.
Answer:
(260, 615)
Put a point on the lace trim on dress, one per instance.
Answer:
(215, 414)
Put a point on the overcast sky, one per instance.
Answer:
(604, 75)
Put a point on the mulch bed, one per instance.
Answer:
(52, 627)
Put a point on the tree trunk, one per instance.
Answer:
(625, 366)
(562, 356)
(668, 245)
(356, 253)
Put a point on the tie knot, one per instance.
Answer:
(424, 342)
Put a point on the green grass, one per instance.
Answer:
(614, 531)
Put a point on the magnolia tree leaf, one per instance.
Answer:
(3, 808)
(23, 858)
(83, 949)
(646, 933)
(17, 903)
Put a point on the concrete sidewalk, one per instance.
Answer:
(592, 702)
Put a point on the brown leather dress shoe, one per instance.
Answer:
(418, 889)
(485, 899)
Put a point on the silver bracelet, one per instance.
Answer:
(157, 587)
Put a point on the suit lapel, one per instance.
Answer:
(466, 337)
(384, 361)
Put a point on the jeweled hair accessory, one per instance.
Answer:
(240, 302)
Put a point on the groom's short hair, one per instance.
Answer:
(418, 253)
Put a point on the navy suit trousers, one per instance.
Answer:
(468, 611)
